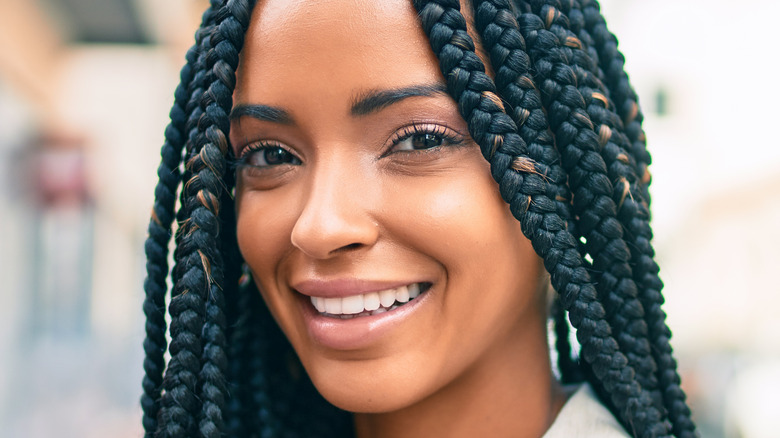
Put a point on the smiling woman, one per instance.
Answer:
(403, 217)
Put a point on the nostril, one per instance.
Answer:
(351, 246)
(347, 248)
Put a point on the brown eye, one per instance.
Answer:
(425, 141)
(270, 155)
(424, 137)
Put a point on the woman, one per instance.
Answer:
(404, 197)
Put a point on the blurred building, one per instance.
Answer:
(85, 88)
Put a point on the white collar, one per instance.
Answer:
(583, 416)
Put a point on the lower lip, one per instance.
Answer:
(360, 332)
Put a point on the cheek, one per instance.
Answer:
(457, 219)
(493, 276)
(264, 223)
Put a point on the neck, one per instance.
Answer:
(514, 396)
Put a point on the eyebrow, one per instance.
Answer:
(364, 104)
(264, 113)
(375, 100)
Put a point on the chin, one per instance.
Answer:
(367, 402)
(353, 386)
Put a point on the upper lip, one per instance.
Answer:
(345, 287)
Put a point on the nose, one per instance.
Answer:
(336, 215)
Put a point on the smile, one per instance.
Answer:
(372, 303)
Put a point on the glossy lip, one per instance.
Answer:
(361, 332)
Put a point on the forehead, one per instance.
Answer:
(333, 46)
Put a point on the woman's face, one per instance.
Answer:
(361, 188)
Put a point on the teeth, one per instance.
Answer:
(402, 294)
(351, 305)
(319, 303)
(414, 291)
(333, 305)
(371, 303)
(387, 297)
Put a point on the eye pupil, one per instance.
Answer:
(277, 156)
(426, 141)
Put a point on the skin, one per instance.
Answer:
(348, 203)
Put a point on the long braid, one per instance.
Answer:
(173, 418)
(496, 24)
(176, 420)
(195, 386)
(156, 246)
(604, 234)
(634, 216)
(610, 253)
(637, 222)
(496, 134)
(237, 311)
(209, 168)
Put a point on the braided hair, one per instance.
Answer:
(559, 124)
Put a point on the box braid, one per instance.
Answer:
(194, 380)
(594, 29)
(587, 170)
(156, 246)
(509, 54)
(173, 418)
(496, 134)
(634, 217)
(516, 86)
(559, 187)
(585, 166)
(565, 70)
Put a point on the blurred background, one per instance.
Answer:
(85, 88)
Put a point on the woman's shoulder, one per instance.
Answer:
(583, 416)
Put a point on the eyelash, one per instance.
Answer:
(448, 136)
(246, 153)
